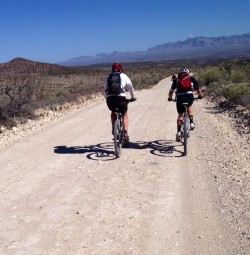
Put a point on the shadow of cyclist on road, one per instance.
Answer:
(102, 151)
(105, 151)
(163, 148)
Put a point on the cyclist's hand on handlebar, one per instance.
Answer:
(133, 99)
(200, 96)
(170, 99)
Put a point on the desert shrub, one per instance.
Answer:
(59, 93)
(146, 76)
(20, 88)
(209, 75)
(238, 75)
(236, 92)
(215, 88)
(229, 79)
(8, 123)
(246, 100)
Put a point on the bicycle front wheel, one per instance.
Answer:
(117, 143)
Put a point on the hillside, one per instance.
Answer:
(25, 65)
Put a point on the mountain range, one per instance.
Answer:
(208, 47)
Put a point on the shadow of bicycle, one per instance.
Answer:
(101, 151)
(163, 148)
(105, 151)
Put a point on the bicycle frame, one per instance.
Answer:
(118, 134)
(118, 129)
(185, 127)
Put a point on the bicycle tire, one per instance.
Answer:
(185, 135)
(122, 141)
(117, 143)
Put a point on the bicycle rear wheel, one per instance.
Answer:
(117, 143)
(185, 135)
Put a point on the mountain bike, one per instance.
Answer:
(118, 131)
(185, 127)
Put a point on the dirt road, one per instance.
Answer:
(63, 192)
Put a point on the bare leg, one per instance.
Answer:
(125, 122)
(190, 110)
(179, 121)
(124, 119)
(190, 114)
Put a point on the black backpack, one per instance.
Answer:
(114, 84)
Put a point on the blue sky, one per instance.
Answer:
(57, 30)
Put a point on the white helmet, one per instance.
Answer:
(184, 70)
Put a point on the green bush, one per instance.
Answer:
(238, 75)
(235, 92)
(209, 75)
(216, 88)
(229, 79)
(59, 93)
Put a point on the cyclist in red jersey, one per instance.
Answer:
(184, 95)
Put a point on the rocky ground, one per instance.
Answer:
(225, 147)
(45, 117)
(239, 115)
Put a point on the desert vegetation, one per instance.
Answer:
(229, 79)
(26, 86)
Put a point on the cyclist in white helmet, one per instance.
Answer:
(184, 86)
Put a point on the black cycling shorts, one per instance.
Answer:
(184, 98)
(117, 103)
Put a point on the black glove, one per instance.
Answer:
(133, 99)
(200, 96)
(170, 99)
